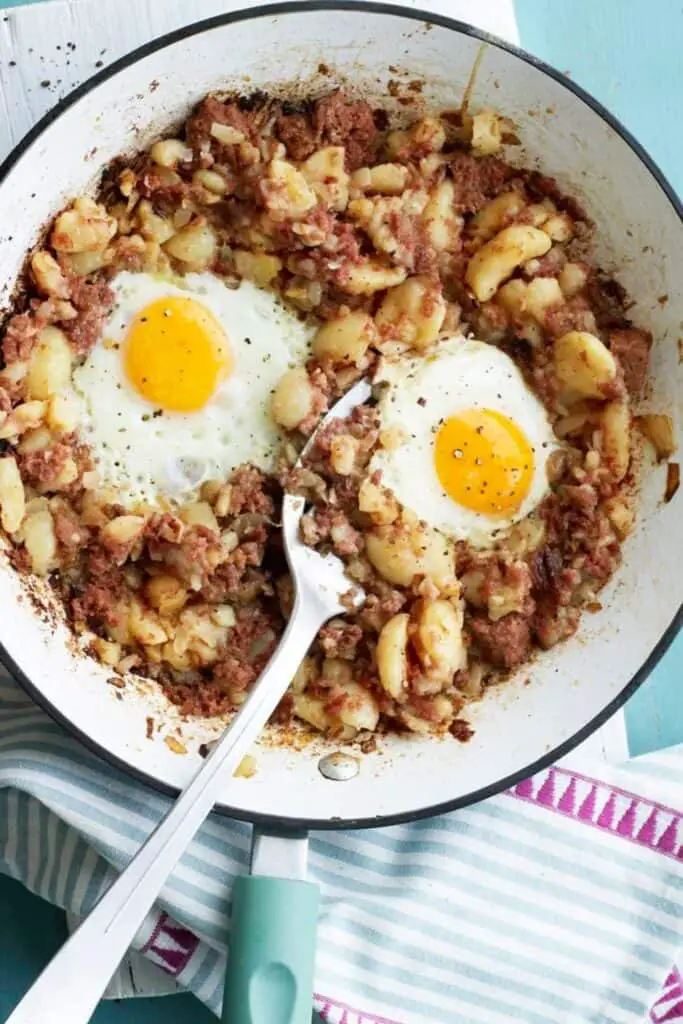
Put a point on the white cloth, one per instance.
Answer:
(558, 902)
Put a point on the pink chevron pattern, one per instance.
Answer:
(667, 1010)
(605, 807)
(170, 946)
(669, 1006)
(334, 1012)
(558, 790)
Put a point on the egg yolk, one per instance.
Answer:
(484, 461)
(176, 354)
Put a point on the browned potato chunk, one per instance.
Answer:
(499, 258)
(399, 553)
(345, 339)
(293, 399)
(392, 664)
(583, 364)
(86, 227)
(414, 311)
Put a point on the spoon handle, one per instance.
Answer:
(77, 976)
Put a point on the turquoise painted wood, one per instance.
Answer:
(627, 53)
(31, 932)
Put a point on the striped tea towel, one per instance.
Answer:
(558, 902)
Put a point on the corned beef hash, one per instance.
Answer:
(178, 339)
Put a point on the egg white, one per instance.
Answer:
(421, 393)
(145, 453)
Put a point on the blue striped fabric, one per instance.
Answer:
(557, 903)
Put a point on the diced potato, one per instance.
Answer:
(497, 259)
(38, 534)
(425, 136)
(226, 134)
(541, 295)
(166, 594)
(49, 369)
(211, 181)
(200, 513)
(144, 626)
(377, 502)
(615, 438)
(108, 651)
(443, 225)
(559, 227)
(583, 364)
(343, 452)
(428, 135)
(86, 227)
(48, 275)
(223, 500)
(292, 402)
(441, 710)
(194, 245)
(370, 276)
(512, 296)
(360, 710)
(311, 710)
(63, 413)
(306, 673)
(573, 278)
(12, 375)
(247, 768)
(398, 144)
(120, 535)
(387, 179)
(400, 553)
(151, 224)
(81, 264)
(223, 616)
(382, 219)
(290, 195)
(260, 267)
(23, 417)
(439, 639)
(325, 173)
(415, 311)
(345, 339)
(336, 670)
(170, 152)
(495, 214)
(304, 294)
(34, 440)
(12, 497)
(487, 128)
(392, 664)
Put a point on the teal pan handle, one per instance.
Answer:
(269, 978)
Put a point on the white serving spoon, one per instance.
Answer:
(72, 984)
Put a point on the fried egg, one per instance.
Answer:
(178, 388)
(468, 442)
